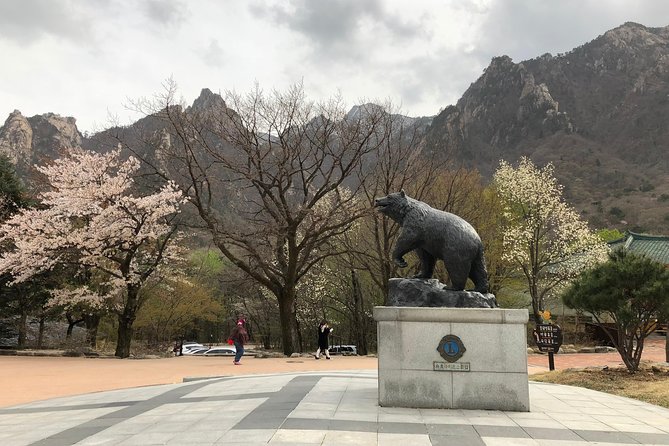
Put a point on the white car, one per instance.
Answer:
(221, 351)
(344, 350)
(196, 351)
(189, 347)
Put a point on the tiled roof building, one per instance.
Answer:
(655, 247)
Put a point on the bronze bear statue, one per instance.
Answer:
(434, 235)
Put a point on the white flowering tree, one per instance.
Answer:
(544, 236)
(93, 217)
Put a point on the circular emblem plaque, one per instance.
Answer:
(451, 348)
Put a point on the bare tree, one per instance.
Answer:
(401, 163)
(272, 178)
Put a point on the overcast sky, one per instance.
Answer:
(86, 58)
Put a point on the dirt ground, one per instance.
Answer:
(653, 351)
(34, 378)
(29, 378)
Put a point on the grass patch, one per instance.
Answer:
(649, 384)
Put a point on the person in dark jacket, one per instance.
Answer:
(239, 337)
(324, 331)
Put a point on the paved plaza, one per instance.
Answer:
(323, 408)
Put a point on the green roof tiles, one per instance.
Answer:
(655, 247)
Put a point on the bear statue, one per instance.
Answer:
(434, 235)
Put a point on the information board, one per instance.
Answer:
(548, 337)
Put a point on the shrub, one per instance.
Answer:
(617, 212)
(646, 187)
(630, 290)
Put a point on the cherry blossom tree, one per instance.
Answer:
(78, 295)
(94, 217)
(544, 236)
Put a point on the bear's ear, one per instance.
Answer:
(402, 194)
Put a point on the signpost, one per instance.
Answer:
(549, 339)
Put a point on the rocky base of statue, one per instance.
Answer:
(432, 293)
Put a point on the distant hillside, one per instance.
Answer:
(29, 141)
(599, 113)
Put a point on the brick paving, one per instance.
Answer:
(326, 409)
(335, 408)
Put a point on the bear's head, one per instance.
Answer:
(395, 205)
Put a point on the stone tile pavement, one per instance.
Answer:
(325, 408)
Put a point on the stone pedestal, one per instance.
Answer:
(490, 374)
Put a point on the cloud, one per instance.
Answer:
(335, 28)
(27, 21)
(421, 54)
(214, 54)
(434, 79)
(526, 29)
(165, 12)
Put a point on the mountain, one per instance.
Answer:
(598, 113)
(148, 137)
(27, 141)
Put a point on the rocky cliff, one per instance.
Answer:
(27, 141)
(598, 112)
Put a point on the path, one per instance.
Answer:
(325, 409)
(37, 378)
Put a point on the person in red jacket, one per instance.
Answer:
(239, 337)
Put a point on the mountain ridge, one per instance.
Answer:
(598, 113)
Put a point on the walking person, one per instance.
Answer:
(178, 348)
(239, 337)
(324, 331)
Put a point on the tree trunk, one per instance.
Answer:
(536, 305)
(71, 322)
(385, 288)
(288, 319)
(124, 335)
(40, 336)
(23, 328)
(300, 341)
(92, 322)
(625, 347)
(125, 321)
(359, 317)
